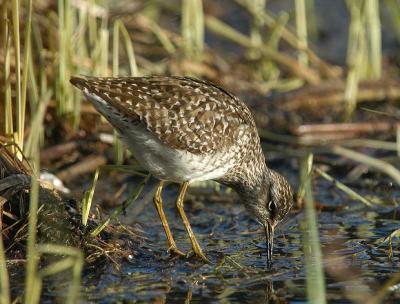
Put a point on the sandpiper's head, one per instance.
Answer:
(271, 203)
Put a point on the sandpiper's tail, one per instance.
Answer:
(79, 82)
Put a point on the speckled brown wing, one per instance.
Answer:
(184, 113)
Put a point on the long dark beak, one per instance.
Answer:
(269, 235)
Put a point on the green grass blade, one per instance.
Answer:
(192, 28)
(344, 188)
(92, 23)
(20, 114)
(88, 198)
(118, 148)
(25, 68)
(73, 293)
(74, 261)
(394, 11)
(129, 49)
(161, 35)
(305, 171)
(60, 94)
(115, 52)
(301, 28)
(57, 267)
(37, 44)
(33, 87)
(398, 140)
(257, 22)
(4, 281)
(36, 123)
(315, 278)
(356, 53)
(8, 110)
(117, 28)
(275, 34)
(372, 162)
(374, 40)
(33, 285)
(223, 29)
(131, 198)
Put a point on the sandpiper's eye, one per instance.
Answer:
(272, 207)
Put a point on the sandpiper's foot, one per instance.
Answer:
(199, 254)
(176, 251)
(202, 257)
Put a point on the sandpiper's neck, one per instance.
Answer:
(253, 181)
(250, 174)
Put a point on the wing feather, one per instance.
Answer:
(185, 113)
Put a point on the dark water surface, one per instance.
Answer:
(356, 262)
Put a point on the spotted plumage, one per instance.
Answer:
(184, 113)
(183, 129)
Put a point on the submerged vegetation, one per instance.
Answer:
(333, 128)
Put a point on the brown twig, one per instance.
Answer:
(336, 132)
(332, 92)
(377, 164)
(88, 164)
(57, 151)
(355, 128)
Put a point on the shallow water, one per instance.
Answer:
(356, 262)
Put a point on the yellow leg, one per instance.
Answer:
(158, 203)
(179, 204)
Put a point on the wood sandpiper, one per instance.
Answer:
(183, 130)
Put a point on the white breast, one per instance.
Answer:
(170, 164)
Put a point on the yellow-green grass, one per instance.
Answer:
(72, 54)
